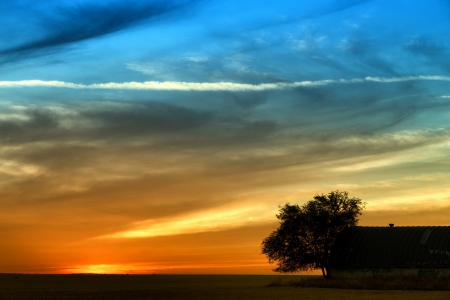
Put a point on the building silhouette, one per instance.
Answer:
(422, 251)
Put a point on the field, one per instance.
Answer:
(20, 286)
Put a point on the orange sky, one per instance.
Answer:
(214, 225)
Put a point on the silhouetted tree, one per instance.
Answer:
(307, 233)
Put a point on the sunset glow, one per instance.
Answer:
(147, 137)
(206, 221)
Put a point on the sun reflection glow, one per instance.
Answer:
(165, 269)
(109, 269)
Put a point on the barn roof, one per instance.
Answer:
(393, 247)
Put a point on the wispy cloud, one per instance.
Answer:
(408, 78)
(167, 85)
(210, 86)
(83, 21)
(204, 221)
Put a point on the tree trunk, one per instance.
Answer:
(323, 272)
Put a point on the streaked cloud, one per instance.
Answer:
(220, 219)
(408, 78)
(174, 86)
(57, 26)
(208, 86)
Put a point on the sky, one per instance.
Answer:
(161, 136)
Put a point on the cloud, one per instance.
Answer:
(176, 156)
(84, 20)
(235, 67)
(424, 46)
(75, 123)
(30, 124)
(429, 215)
(169, 86)
(312, 12)
(207, 86)
(166, 145)
(218, 220)
(145, 118)
(120, 170)
(432, 50)
(214, 115)
(408, 78)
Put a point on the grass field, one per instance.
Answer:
(13, 286)
(367, 283)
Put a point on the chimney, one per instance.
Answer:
(391, 225)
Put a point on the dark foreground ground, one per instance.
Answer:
(49, 287)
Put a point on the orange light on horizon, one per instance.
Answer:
(108, 269)
(260, 268)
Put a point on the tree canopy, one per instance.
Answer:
(307, 233)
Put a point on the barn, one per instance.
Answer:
(422, 251)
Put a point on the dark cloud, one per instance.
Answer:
(248, 100)
(435, 51)
(223, 119)
(35, 123)
(101, 122)
(257, 130)
(424, 46)
(238, 133)
(214, 135)
(364, 50)
(313, 12)
(351, 109)
(83, 20)
(145, 118)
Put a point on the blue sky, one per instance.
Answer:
(161, 121)
(208, 41)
